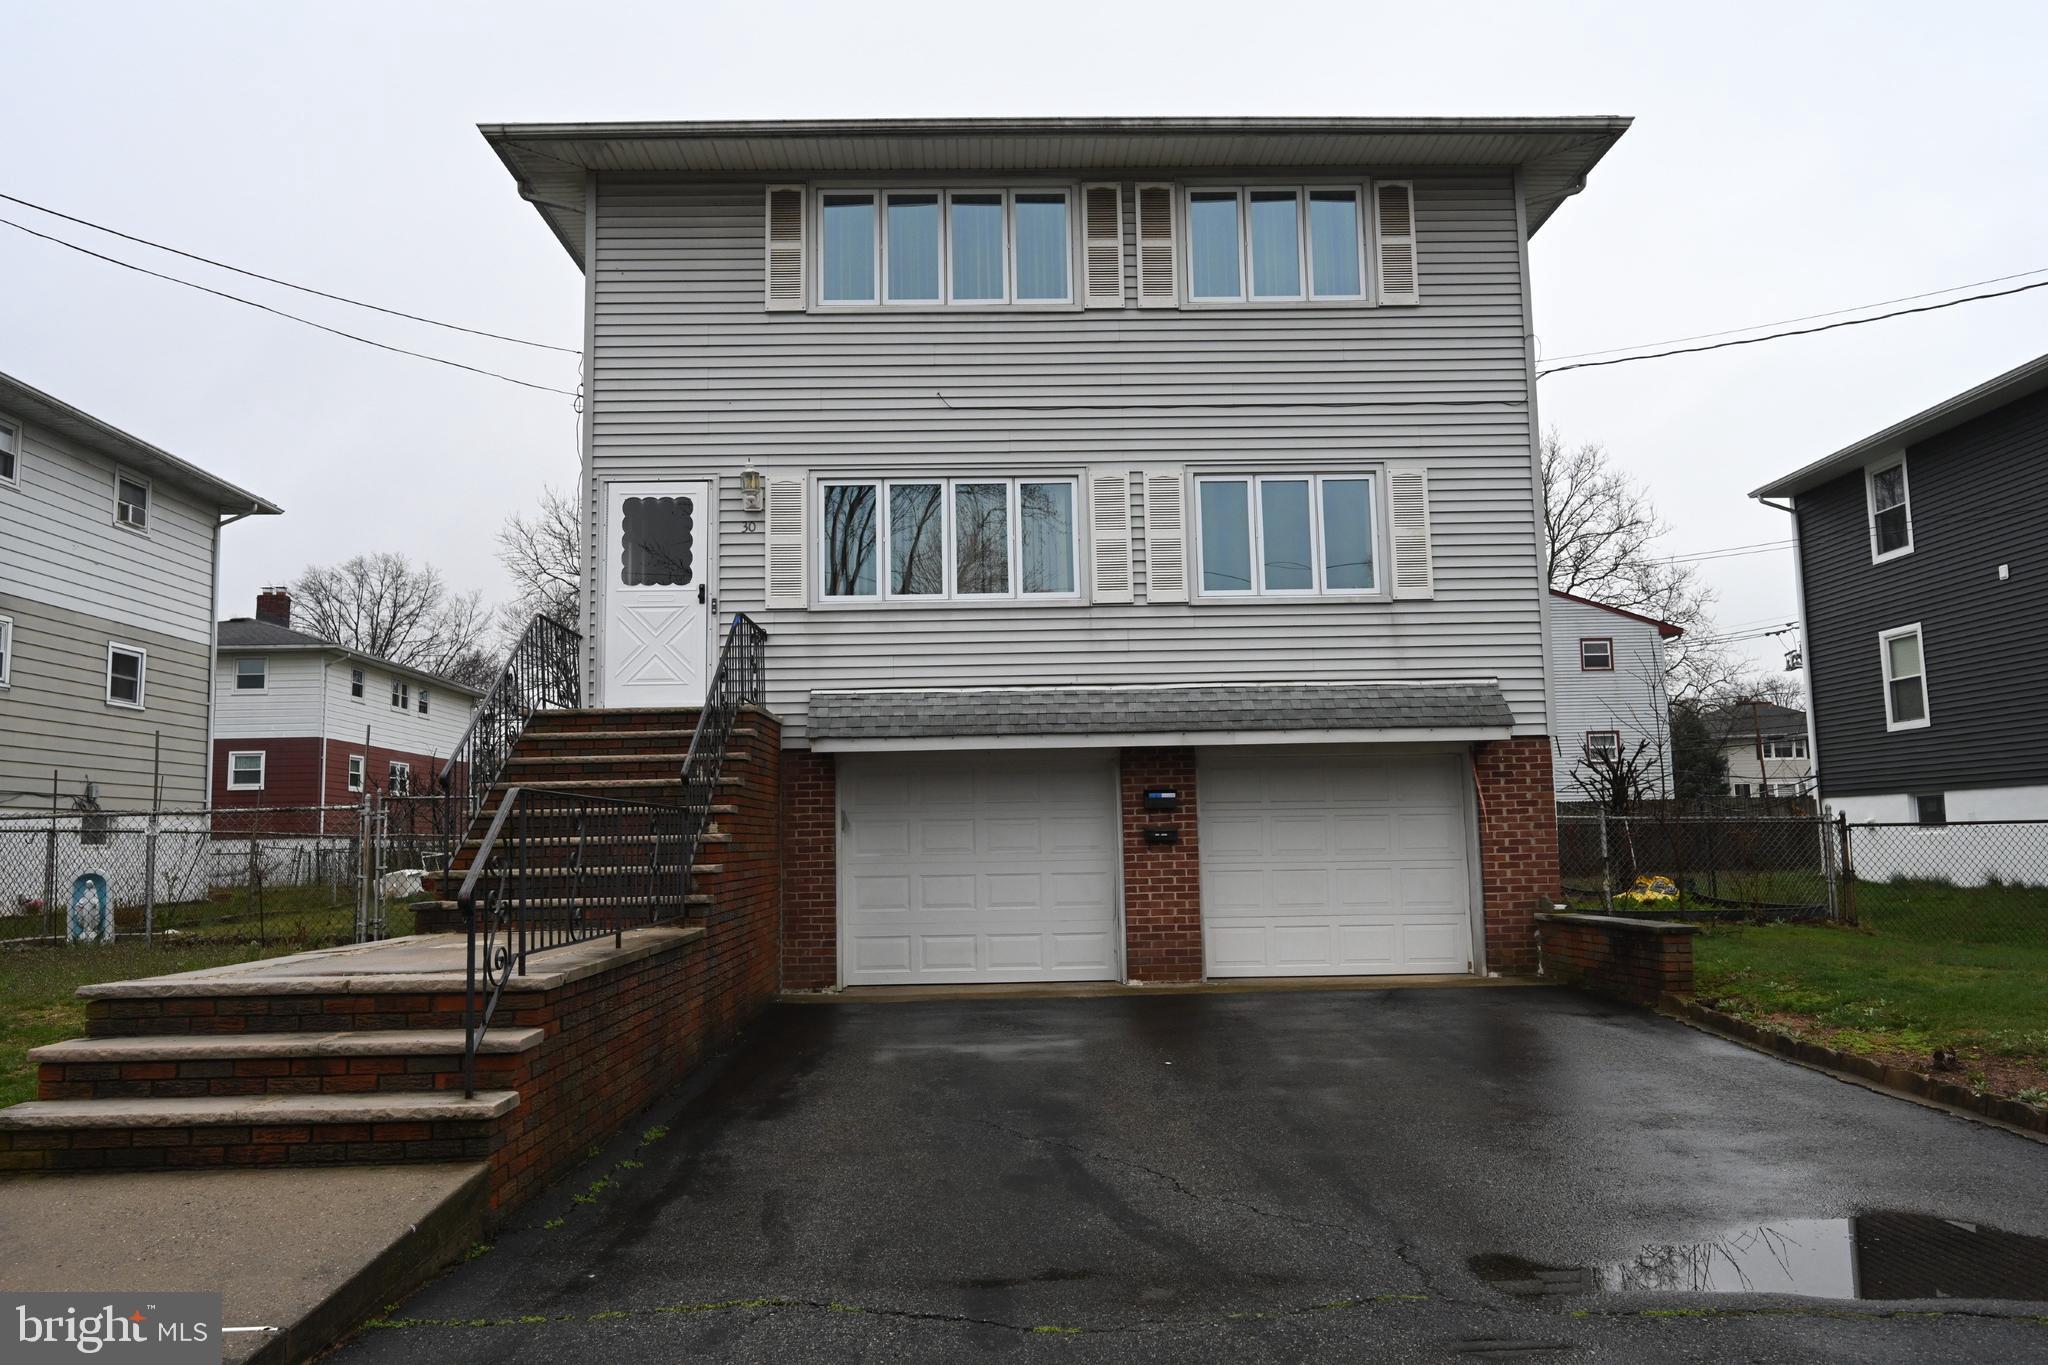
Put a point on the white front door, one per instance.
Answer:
(655, 550)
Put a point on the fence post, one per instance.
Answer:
(50, 864)
(1848, 873)
(1831, 869)
(1606, 866)
(149, 878)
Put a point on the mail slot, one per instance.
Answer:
(1162, 798)
(1162, 836)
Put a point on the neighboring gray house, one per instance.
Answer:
(1766, 747)
(1068, 460)
(109, 562)
(1923, 578)
(1609, 707)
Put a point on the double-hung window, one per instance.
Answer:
(1603, 746)
(252, 673)
(127, 670)
(355, 683)
(6, 650)
(1596, 655)
(398, 779)
(1287, 534)
(423, 701)
(968, 538)
(937, 247)
(355, 772)
(1785, 748)
(1905, 678)
(401, 693)
(10, 451)
(245, 770)
(1275, 243)
(1891, 513)
(131, 502)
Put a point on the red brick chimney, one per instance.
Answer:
(275, 606)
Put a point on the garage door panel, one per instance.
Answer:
(1427, 832)
(1299, 888)
(880, 838)
(1438, 947)
(945, 891)
(943, 952)
(879, 953)
(1236, 946)
(1094, 952)
(1086, 891)
(1017, 834)
(1297, 835)
(937, 838)
(1360, 785)
(1368, 947)
(1015, 952)
(1012, 891)
(875, 895)
(1365, 889)
(1362, 836)
(1226, 836)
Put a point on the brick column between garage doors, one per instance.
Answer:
(1162, 882)
(1517, 847)
(810, 871)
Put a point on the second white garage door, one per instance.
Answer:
(1334, 865)
(977, 867)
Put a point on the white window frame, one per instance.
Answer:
(6, 651)
(1591, 750)
(1795, 747)
(263, 683)
(422, 701)
(1884, 672)
(398, 778)
(947, 483)
(1244, 298)
(356, 772)
(401, 694)
(141, 702)
(879, 196)
(148, 502)
(358, 685)
(11, 442)
(1606, 640)
(1379, 591)
(1870, 473)
(262, 770)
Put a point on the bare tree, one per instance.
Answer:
(543, 555)
(388, 606)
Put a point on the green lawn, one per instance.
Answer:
(282, 916)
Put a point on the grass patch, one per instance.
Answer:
(298, 917)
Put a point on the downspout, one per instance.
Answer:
(1536, 529)
(1791, 509)
(213, 645)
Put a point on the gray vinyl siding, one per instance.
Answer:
(1979, 499)
(1631, 699)
(692, 377)
(54, 713)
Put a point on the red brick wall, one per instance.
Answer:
(1162, 882)
(1517, 847)
(810, 871)
(291, 773)
(1633, 962)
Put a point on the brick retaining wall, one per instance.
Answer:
(1639, 961)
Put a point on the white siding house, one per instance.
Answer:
(1608, 695)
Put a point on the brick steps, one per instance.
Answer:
(189, 1066)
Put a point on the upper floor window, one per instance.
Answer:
(401, 693)
(10, 451)
(1791, 747)
(1603, 745)
(355, 682)
(423, 701)
(1891, 513)
(127, 668)
(252, 673)
(1905, 678)
(6, 650)
(131, 502)
(1287, 534)
(945, 246)
(948, 538)
(1596, 656)
(1270, 242)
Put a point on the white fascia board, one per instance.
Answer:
(902, 744)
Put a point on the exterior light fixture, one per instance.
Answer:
(752, 498)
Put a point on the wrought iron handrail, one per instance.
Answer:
(542, 673)
(577, 867)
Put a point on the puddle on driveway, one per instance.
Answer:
(1870, 1256)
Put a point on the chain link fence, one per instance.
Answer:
(1983, 882)
(283, 877)
(1721, 866)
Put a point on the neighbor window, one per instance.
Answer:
(126, 670)
(1891, 516)
(1784, 748)
(1742, 789)
(1596, 656)
(131, 502)
(355, 772)
(355, 682)
(1905, 678)
(245, 771)
(948, 538)
(938, 246)
(1603, 745)
(10, 451)
(1275, 243)
(401, 693)
(6, 650)
(252, 672)
(1287, 534)
(1931, 810)
(398, 779)
(423, 701)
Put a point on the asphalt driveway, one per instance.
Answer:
(1353, 1175)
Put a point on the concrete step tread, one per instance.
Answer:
(204, 1047)
(267, 1111)
(615, 757)
(567, 840)
(738, 732)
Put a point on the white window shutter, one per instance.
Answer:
(1102, 212)
(788, 545)
(1158, 267)
(785, 247)
(1109, 535)
(1166, 536)
(1408, 516)
(1400, 281)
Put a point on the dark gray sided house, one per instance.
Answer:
(1923, 580)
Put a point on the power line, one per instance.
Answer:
(1810, 317)
(1804, 331)
(287, 284)
(1728, 552)
(279, 312)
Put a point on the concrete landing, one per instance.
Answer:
(307, 1254)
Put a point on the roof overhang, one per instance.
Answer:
(39, 409)
(1951, 412)
(1665, 629)
(550, 160)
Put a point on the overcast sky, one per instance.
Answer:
(1786, 159)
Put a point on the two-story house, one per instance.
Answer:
(300, 721)
(1765, 746)
(1143, 514)
(1923, 553)
(109, 563)
(1610, 708)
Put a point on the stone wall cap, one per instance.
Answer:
(1657, 926)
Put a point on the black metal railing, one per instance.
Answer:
(557, 868)
(542, 673)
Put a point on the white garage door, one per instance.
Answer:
(1334, 866)
(977, 867)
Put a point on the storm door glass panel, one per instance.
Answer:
(849, 248)
(977, 227)
(913, 248)
(1286, 551)
(1276, 244)
(655, 548)
(1333, 244)
(981, 537)
(917, 539)
(1212, 244)
(1042, 247)
(1046, 514)
(1888, 497)
(850, 540)
(1226, 535)
(1347, 534)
